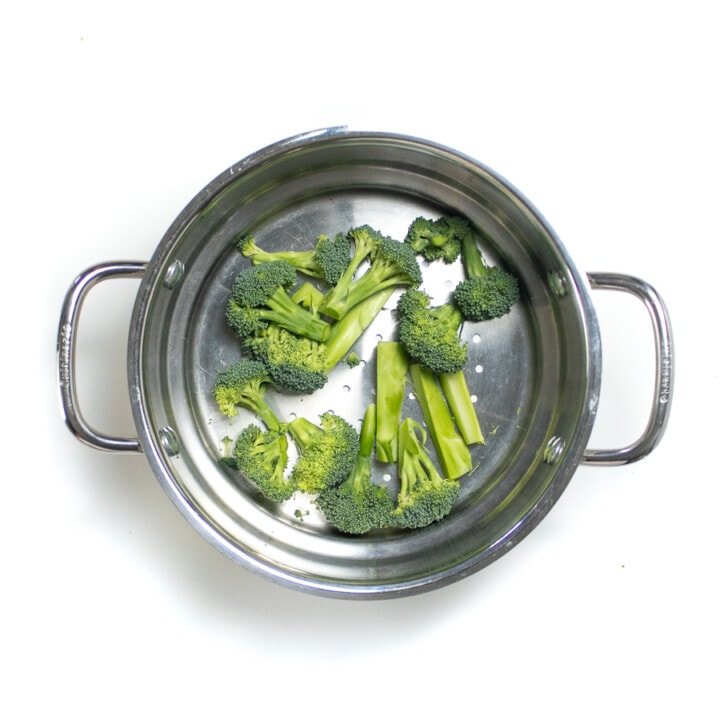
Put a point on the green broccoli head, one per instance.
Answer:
(244, 383)
(430, 334)
(262, 457)
(293, 362)
(487, 291)
(439, 239)
(486, 296)
(357, 505)
(327, 452)
(425, 496)
(263, 288)
(332, 256)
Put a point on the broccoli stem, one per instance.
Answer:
(453, 454)
(303, 431)
(457, 394)
(346, 331)
(367, 432)
(472, 258)
(295, 318)
(308, 297)
(392, 367)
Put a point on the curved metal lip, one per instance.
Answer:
(572, 454)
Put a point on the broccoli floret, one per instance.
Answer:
(425, 496)
(262, 457)
(244, 383)
(352, 359)
(437, 239)
(392, 367)
(357, 505)
(293, 362)
(327, 260)
(392, 264)
(430, 334)
(263, 289)
(487, 291)
(327, 451)
(452, 451)
(332, 256)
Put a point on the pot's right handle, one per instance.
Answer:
(66, 354)
(662, 394)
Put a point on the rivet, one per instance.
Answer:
(169, 441)
(554, 450)
(174, 274)
(557, 283)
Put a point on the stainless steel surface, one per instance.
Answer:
(535, 373)
(664, 370)
(66, 345)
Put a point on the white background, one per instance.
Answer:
(115, 114)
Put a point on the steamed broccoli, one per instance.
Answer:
(262, 456)
(391, 377)
(309, 297)
(327, 451)
(293, 362)
(358, 505)
(259, 295)
(487, 291)
(425, 496)
(350, 327)
(392, 264)
(244, 383)
(327, 259)
(457, 394)
(437, 239)
(430, 334)
(452, 451)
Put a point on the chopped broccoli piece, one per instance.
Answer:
(488, 291)
(392, 368)
(346, 331)
(352, 359)
(262, 457)
(392, 264)
(293, 362)
(453, 454)
(437, 239)
(309, 297)
(457, 394)
(425, 496)
(357, 505)
(332, 256)
(244, 383)
(327, 260)
(327, 452)
(263, 289)
(430, 334)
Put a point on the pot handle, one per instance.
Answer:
(664, 370)
(66, 344)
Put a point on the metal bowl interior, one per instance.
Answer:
(535, 372)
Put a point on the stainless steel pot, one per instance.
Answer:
(536, 372)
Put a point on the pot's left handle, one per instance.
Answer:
(66, 344)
